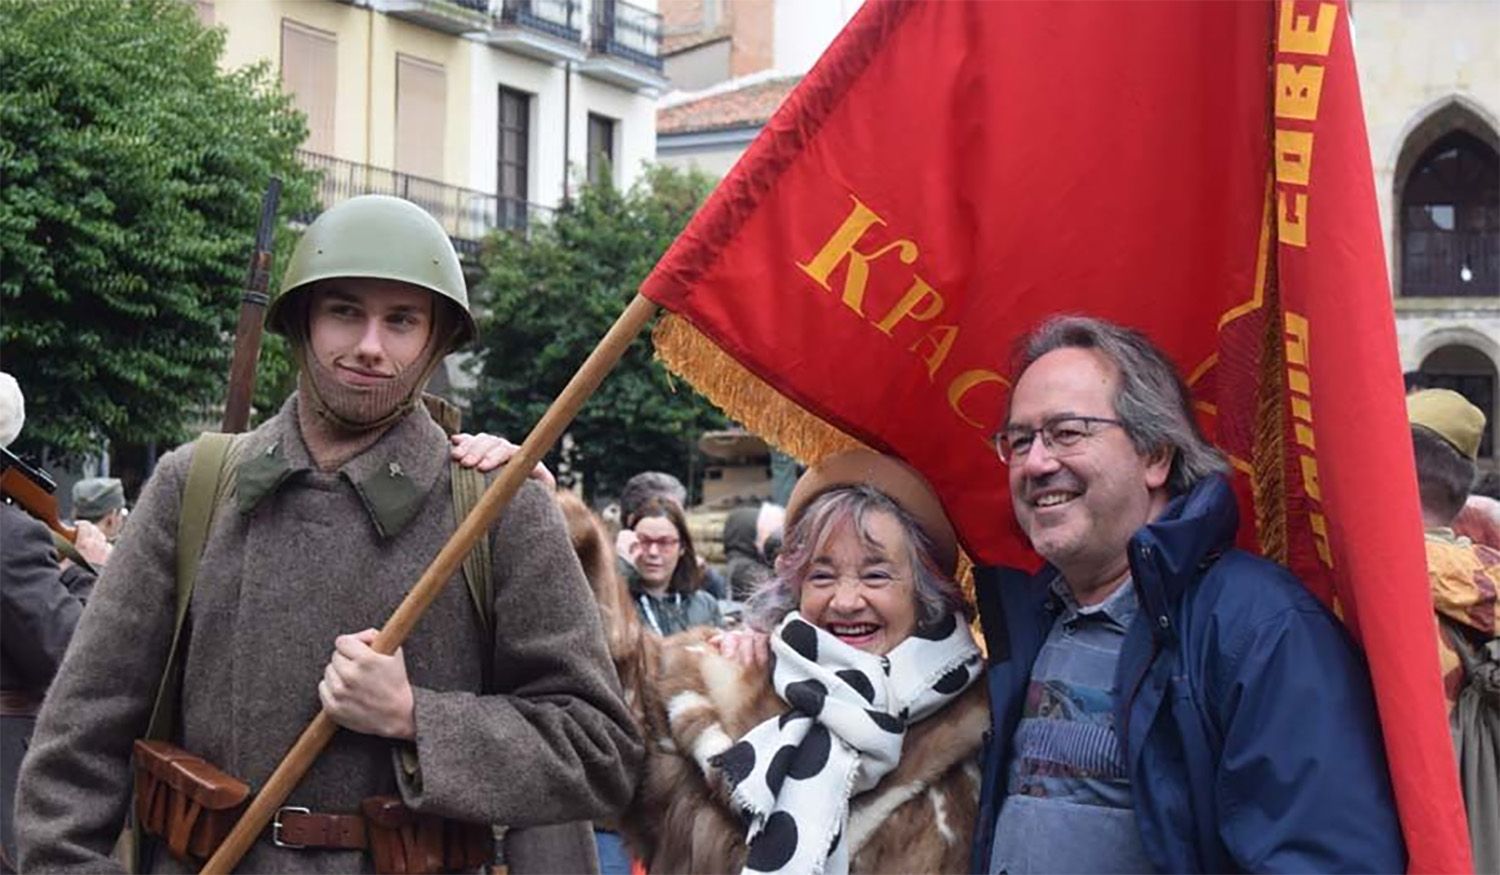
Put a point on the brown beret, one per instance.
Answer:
(1450, 416)
(896, 479)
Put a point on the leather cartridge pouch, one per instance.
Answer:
(403, 842)
(184, 801)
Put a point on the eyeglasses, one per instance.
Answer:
(665, 543)
(1062, 436)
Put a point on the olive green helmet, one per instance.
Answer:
(378, 237)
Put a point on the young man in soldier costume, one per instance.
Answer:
(341, 500)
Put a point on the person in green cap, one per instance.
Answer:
(1446, 431)
(101, 501)
(337, 505)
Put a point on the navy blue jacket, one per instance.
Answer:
(1242, 705)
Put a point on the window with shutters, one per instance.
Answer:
(601, 147)
(421, 117)
(309, 72)
(514, 138)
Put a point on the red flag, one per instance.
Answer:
(951, 173)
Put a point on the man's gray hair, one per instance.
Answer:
(1153, 402)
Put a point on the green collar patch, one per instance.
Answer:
(260, 475)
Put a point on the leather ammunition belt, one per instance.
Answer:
(191, 806)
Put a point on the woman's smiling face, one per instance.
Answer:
(861, 590)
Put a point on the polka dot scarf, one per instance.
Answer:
(792, 776)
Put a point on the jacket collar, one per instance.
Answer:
(1167, 553)
(392, 477)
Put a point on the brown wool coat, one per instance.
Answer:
(279, 580)
(919, 818)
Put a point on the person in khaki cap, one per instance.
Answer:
(339, 503)
(1446, 431)
(101, 501)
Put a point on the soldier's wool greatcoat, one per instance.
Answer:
(297, 557)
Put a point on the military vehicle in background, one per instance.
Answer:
(736, 473)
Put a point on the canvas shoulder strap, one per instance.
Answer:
(468, 487)
(210, 475)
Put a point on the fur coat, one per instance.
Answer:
(696, 703)
(691, 703)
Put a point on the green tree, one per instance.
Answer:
(133, 170)
(548, 297)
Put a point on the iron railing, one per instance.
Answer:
(628, 32)
(1437, 262)
(467, 215)
(558, 18)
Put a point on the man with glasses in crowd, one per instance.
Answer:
(1160, 700)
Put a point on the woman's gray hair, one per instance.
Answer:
(937, 595)
(1153, 402)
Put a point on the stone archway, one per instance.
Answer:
(1450, 132)
(1470, 372)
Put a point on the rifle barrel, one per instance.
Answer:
(253, 303)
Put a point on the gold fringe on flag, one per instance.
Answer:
(750, 401)
(744, 397)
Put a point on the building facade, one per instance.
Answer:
(486, 112)
(730, 64)
(1430, 77)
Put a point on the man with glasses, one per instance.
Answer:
(1161, 701)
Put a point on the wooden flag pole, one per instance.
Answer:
(493, 503)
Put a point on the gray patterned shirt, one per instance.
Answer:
(1068, 805)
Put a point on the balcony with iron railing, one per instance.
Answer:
(1446, 263)
(448, 16)
(629, 32)
(548, 30)
(625, 47)
(560, 18)
(467, 215)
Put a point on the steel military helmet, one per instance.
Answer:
(377, 237)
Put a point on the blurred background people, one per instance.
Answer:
(40, 602)
(101, 501)
(655, 486)
(1479, 521)
(748, 531)
(1445, 433)
(668, 584)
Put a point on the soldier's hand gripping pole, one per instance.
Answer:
(252, 311)
(493, 503)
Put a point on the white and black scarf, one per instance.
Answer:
(792, 776)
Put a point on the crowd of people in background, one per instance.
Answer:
(587, 697)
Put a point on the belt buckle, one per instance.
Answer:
(276, 825)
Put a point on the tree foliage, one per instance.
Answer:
(133, 170)
(545, 301)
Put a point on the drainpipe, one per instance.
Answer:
(567, 126)
(369, 80)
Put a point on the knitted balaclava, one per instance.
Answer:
(340, 421)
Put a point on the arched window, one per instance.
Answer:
(1468, 372)
(1450, 220)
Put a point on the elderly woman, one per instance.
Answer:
(857, 750)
